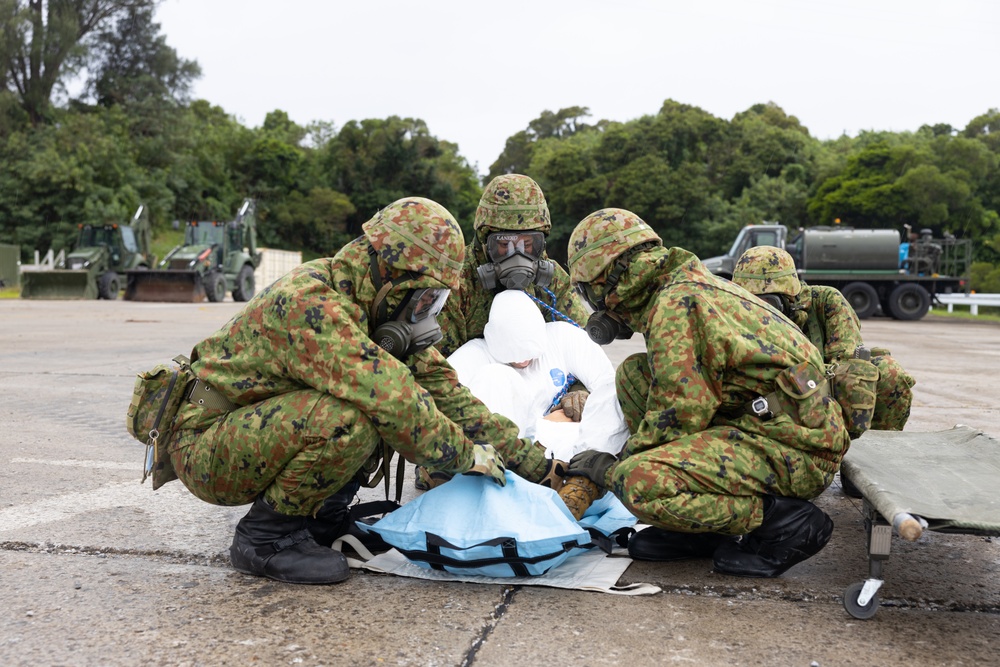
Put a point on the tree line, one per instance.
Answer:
(133, 135)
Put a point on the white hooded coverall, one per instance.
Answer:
(517, 332)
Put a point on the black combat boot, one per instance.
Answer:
(668, 545)
(333, 517)
(280, 547)
(792, 531)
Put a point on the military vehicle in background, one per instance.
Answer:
(872, 268)
(96, 266)
(214, 256)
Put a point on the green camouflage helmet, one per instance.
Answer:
(765, 269)
(602, 237)
(511, 201)
(420, 235)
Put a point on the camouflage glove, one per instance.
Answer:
(591, 464)
(572, 404)
(487, 462)
(555, 474)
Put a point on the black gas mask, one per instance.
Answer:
(515, 261)
(412, 325)
(602, 326)
(781, 303)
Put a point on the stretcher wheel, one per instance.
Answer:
(851, 596)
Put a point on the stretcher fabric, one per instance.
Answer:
(948, 478)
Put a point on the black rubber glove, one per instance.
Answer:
(591, 464)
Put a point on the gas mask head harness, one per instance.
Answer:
(603, 326)
(412, 325)
(514, 261)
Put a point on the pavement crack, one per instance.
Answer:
(163, 556)
(494, 619)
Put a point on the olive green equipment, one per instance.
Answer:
(854, 381)
(156, 397)
(96, 267)
(215, 258)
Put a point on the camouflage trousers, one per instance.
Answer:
(715, 480)
(893, 394)
(297, 449)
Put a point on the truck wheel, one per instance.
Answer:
(108, 286)
(862, 297)
(909, 301)
(215, 287)
(244, 288)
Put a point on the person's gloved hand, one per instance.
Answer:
(591, 464)
(487, 461)
(573, 402)
(555, 474)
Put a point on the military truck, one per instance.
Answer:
(96, 266)
(872, 268)
(213, 256)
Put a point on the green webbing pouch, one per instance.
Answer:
(156, 398)
(853, 382)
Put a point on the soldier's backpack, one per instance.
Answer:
(853, 385)
(156, 398)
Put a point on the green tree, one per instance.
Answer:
(42, 43)
(762, 142)
(375, 162)
(77, 171)
(519, 148)
(131, 63)
(315, 222)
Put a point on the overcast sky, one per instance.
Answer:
(478, 72)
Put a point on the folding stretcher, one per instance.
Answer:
(945, 481)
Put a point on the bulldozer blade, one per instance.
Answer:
(176, 286)
(58, 284)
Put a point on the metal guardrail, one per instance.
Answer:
(973, 301)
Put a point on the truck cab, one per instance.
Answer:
(751, 236)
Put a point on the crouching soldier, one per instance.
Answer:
(315, 373)
(732, 426)
(831, 324)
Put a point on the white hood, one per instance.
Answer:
(516, 329)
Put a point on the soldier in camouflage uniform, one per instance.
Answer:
(508, 252)
(314, 373)
(831, 324)
(732, 426)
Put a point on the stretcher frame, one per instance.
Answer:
(943, 481)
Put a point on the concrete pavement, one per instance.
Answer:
(96, 569)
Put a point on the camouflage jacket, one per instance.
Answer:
(466, 313)
(711, 345)
(829, 321)
(308, 330)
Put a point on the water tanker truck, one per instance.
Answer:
(96, 266)
(214, 256)
(872, 268)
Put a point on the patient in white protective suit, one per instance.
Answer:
(523, 368)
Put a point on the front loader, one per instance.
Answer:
(96, 266)
(214, 256)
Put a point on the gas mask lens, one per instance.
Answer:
(590, 295)
(500, 245)
(427, 302)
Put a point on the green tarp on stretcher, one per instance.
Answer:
(950, 479)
